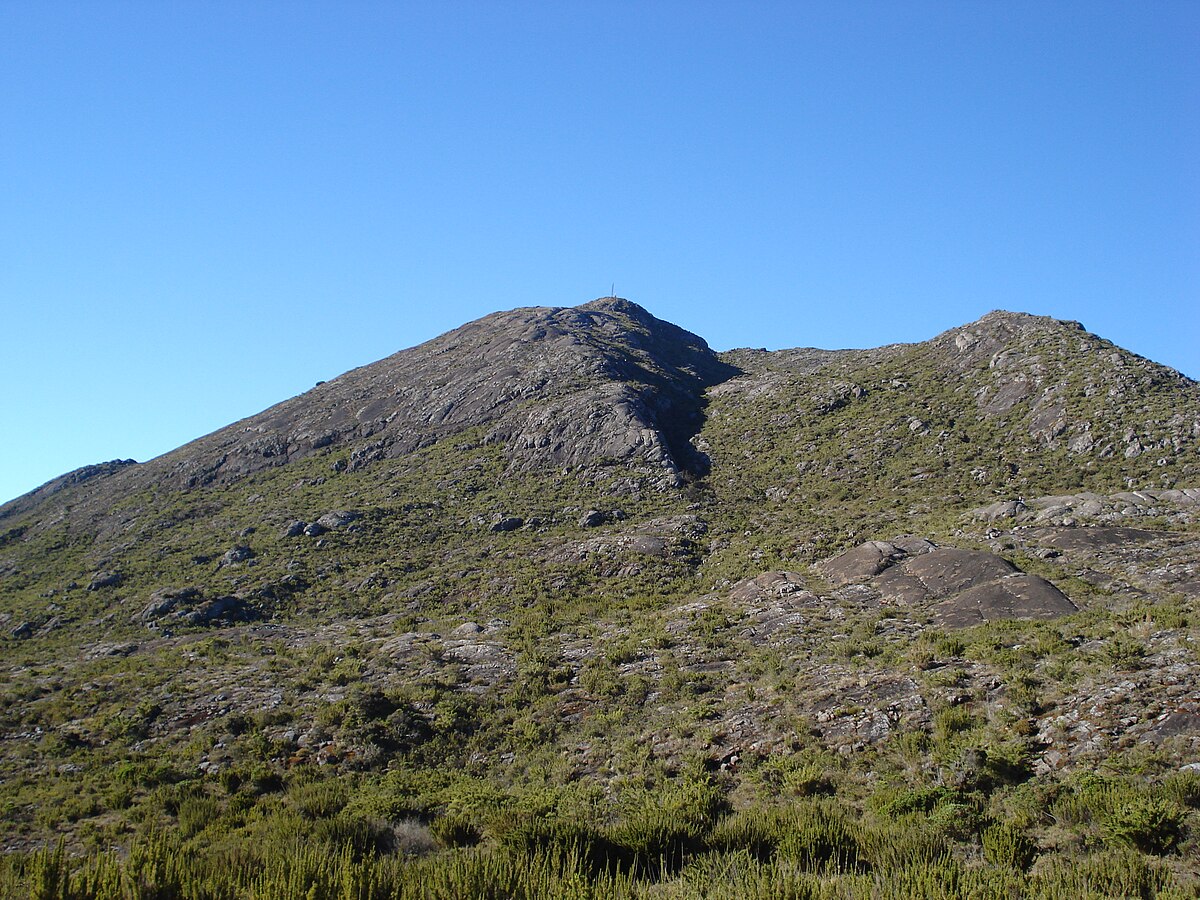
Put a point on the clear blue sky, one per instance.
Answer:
(207, 207)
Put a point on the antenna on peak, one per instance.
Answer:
(612, 291)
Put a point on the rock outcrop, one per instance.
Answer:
(960, 587)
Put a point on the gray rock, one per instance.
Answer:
(104, 580)
(294, 528)
(1016, 596)
(338, 518)
(165, 601)
(237, 555)
(967, 587)
(1001, 509)
(948, 570)
(859, 563)
(593, 518)
(316, 529)
(1098, 537)
(22, 631)
(223, 608)
(507, 523)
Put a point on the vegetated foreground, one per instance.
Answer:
(563, 604)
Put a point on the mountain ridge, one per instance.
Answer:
(518, 585)
(282, 438)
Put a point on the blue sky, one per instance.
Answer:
(207, 207)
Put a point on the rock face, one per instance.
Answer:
(556, 387)
(868, 560)
(92, 473)
(1180, 506)
(1027, 367)
(601, 383)
(961, 587)
(1014, 596)
(188, 606)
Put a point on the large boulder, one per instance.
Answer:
(867, 560)
(1014, 596)
(960, 587)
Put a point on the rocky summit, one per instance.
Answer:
(563, 600)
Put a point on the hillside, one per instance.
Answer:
(566, 581)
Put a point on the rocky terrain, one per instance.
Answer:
(574, 553)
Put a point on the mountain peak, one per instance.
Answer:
(555, 387)
(615, 304)
(1024, 320)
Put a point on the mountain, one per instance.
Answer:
(570, 562)
(555, 387)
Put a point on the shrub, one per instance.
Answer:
(453, 830)
(1004, 845)
(411, 837)
(362, 835)
(655, 841)
(899, 802)
(819, 838)
(320, 799)
(1152, 826)
(908, 842)
(196, 814)
(1183, 788)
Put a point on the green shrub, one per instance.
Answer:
(1121, 874)
(820, 837)
(320, 799)
(534, 835)
(1183, 788)
(899, 802)
(655, 840)
(1004, 845)
(952, 721)
(196, 814)
(1152, 826)
(451, 830)
(903, 843)
(363, 835)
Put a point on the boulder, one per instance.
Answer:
(1014, 596)
(1001, 509)
(858, 563)
(1098, 537)
(338, 518)
(948, 570)
(966, 587)
(294, 528)
(237, 555)
(223, 608)
(507, 523)
(593, 518)
(867, 560)
(22, 631)
(167, 600)
(104, 580)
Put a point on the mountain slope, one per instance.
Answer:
(555, 387)
(562, 565)
(833, 446)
